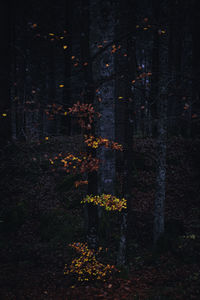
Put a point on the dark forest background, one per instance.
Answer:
(126, 72)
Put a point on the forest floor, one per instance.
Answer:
(40, 214)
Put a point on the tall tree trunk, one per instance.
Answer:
(195, 16)
(102, 33)
(67, 101)
(161, 125)
(5, 73)
(91, 211)
(125, 74)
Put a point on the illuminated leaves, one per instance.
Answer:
(141, 76)
(89, 164)
(109, 202)
(161, 31)
(85, 113)
(53, 109)
(186, 107)
(75, 164)
(87, 267)
(94, 142)
(81, 182)
(34, 25)
(194, 116)
(70, 162)
(115, 48)
(191, 236)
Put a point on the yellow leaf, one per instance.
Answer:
(65, 47)
(4, 115)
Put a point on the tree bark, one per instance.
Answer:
(159, 215)
(126, 69)
(5, 73)
(102, 32)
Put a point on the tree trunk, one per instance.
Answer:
(161, 125)
(102, 33)
(5, 73)
(91, 211)
(195, 64)
(125, 73)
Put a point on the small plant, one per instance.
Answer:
(87, 267)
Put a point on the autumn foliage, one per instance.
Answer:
(75, 164)
(86, 267)
(85, 113)
(107, 201)
(95, 142)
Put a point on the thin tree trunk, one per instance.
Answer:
(66, 121)
(5, 73)
(159, 215)
(195, 63)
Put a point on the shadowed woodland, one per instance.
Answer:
(99, 150)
